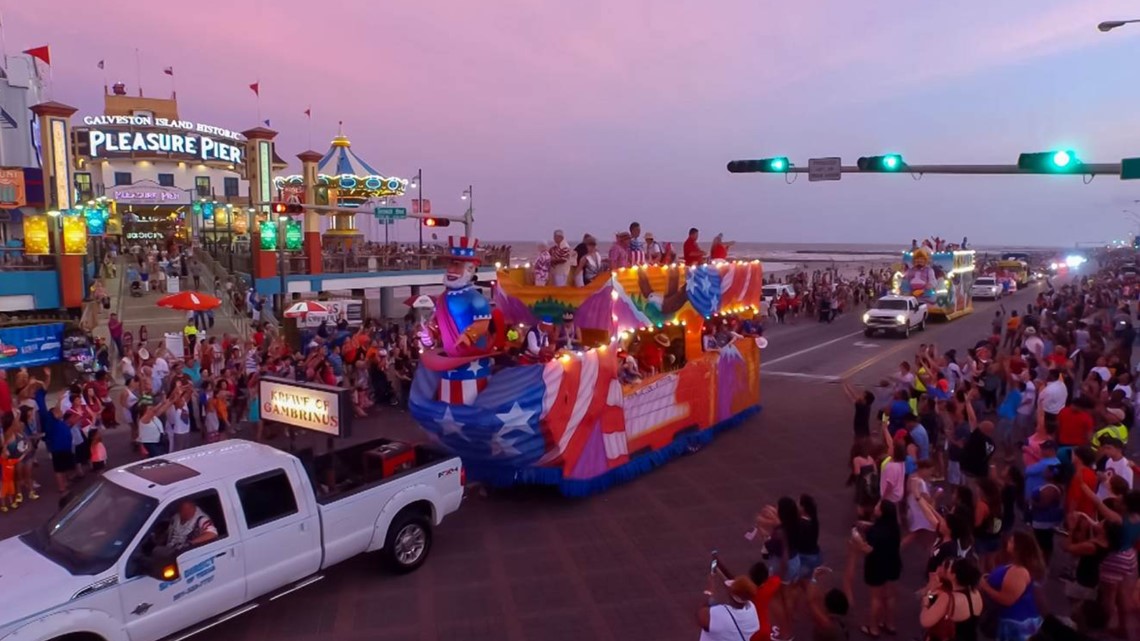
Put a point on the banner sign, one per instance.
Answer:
(146, 192)
(12, 192)
(321, 408)
(351, 310)
(31, 345)
(160, 136)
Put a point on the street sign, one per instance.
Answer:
(390, 213)
(824, 169)
(1130, 169)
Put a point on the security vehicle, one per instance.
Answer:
(896, 315)
(174, 545)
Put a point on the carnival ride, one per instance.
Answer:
(343, 179)
(941, 279)
(571, 422)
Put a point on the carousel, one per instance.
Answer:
(344, 179)
(640, 366)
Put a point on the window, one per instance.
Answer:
(83, 189)
(122, 178)
(231, 186)
(166, 180)
(202, 186)
(207, 523)
(266, 498)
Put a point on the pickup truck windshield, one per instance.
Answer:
(890, 304)
(91, 532)
(985, 282)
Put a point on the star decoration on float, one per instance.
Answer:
(475, 367)
(517, 419)
(451, 427)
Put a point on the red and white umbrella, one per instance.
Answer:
(306, 307)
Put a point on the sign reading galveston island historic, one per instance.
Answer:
(149, 135)
(321, 408)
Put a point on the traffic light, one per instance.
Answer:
(777, 165)
(887, 163)
(436, 222)
(1060, 161)
(288, 208)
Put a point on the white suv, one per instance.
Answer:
(986, 287)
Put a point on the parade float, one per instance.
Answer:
(940, 278)
(575, 420)
(1013, 270)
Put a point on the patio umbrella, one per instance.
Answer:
(304, 308)
(190, 301)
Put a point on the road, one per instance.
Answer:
(629, 564)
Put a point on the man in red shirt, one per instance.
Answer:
(1075, 423)
(692, 251)
(1075, 498)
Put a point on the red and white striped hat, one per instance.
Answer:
(463, 248)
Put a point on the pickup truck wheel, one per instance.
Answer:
(906, 331)
(408, 543)
(922, 324)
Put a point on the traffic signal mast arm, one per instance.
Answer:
(355, 210)
(1093, 169)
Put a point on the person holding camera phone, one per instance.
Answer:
(732, 618)
(952, 605)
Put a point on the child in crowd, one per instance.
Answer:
(98, 451)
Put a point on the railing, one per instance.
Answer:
(350, 262)
(14, 260)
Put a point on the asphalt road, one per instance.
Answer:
(629, 564)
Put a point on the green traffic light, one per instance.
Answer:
(778, 164)
(1062, 159)
(891, 162)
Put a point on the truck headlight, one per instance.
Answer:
(867, 317)
(901, 318)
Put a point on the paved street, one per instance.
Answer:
(630, 563)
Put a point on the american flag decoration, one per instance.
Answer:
(462, 386)
(462, 248)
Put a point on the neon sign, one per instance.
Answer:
(205, 148)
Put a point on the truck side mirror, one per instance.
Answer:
(163, 565)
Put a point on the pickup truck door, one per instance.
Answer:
(211, 575)
(280, 529)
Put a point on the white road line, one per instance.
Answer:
(764, 363)
(814, 377)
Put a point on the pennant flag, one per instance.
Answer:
(309, 112)
(168, 71)
(266, 121)
(6, 120)
(100, 65)
(41, 53)
(256, 88)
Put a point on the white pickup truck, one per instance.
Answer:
(172, 546)
(895, 314)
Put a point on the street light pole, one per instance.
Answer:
(281, 261)
(469, 215)
(420, 197)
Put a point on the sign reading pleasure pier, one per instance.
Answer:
(111, 136)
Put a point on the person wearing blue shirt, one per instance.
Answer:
(1007, 416)
(919, 436)
(1035, 477)
(56, 428)
(897, 411)
(336, 361)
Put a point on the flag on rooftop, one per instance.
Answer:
(168, 71)
(256, 88)
(100, 65)
(41, 53)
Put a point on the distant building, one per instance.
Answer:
(20, 88)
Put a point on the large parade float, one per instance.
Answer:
(580, 417)
(938, 275)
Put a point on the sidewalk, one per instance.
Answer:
(136, 312)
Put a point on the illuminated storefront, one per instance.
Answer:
(167, 178)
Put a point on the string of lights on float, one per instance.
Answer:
(570, 355)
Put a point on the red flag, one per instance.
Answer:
(256, 87)
(168, 71)
(100, 65)
(42, 53)
(309, 112)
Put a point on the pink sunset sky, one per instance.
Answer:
(587, 115)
